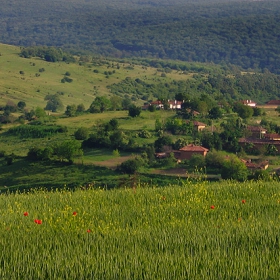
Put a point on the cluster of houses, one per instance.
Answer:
(255, 135)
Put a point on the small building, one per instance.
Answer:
(249, 103)
(188, 151)
(272, 136)
(256, 166)
(198, 126)
(256, 131)
(174, 104)
(259, 144)
(273, 103)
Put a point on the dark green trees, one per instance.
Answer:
(54, 103)
(100, 104)
(134, 111)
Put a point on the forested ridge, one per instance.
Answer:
(244, 33)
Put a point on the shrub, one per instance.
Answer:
(81, 134)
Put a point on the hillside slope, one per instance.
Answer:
(237, 32)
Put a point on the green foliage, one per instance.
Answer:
(116, 153)
(180, 143)
(271, 150)
(197, 161)
(39, 153)
(130, 166)
(215, 113)
(66, 80)
(39, 112)
(50, 54)
(238, 227)
(215, 159)
(144, 134)
(213, 140)
(21, 105)
(162, 141)
(35, 131)
(234, 168)
(71, 110)
(80, 108)
(67, 150)
(134, 111)
(81, 134)
(244, 111)
(54, 103)
(100, 104)
(10, 159)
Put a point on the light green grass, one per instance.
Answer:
(143, 233)
(85, 87)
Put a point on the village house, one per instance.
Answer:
(188, 151)
(273, 103)
(249, 103)
(256, 131)
(256, 166)
(174, 104)
(259, 144)
(198, 126)
(272, 136)
(171, 104)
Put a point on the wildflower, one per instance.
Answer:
(39, 222)
(88, 230)
(25, 214)
(74, 213)
(243, 201)
(212, 207)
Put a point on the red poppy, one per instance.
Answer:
(74, 213)
(25, 214)
(243, 201)
(212, 207)
(39, 222)
(88, 230)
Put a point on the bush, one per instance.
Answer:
(130, 166)
(234, 168)
(81, 134)
(144, 134)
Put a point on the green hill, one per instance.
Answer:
(243, 33)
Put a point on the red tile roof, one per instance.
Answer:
(273, 102)
(255, 128)
(193, 148)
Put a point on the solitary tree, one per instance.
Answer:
(54, 103)
(100, 104)
(71, 110)
(134, 111)
(67, 150)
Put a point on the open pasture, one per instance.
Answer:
(22, 79)
(194, 231)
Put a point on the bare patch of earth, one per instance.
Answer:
(113, 163)
(182, 172)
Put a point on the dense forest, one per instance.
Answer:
(243, 33)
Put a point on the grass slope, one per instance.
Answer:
(196, 231)
(85, 87)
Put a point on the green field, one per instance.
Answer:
(32, 86)
(194, 231)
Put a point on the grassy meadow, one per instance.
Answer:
(194, 231)
(32, 86)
